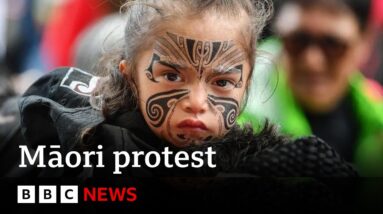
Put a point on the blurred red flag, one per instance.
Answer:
(378, 12)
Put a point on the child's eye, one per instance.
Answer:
(224, 84)
(172, 77)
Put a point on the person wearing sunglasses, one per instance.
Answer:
(318, 88)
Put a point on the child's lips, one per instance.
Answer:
(194, 125)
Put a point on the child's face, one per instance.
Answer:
(192, 82)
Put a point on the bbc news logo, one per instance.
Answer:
(47, 194)
(69, 194)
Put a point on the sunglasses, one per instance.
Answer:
(333, 47)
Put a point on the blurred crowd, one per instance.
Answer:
(39, 35)
(320, 66)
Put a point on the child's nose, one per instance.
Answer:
(196, 103)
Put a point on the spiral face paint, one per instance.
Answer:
(159, 105)
(186, 73)
(228, 108)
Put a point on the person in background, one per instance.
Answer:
(373, 67)
(318, 87)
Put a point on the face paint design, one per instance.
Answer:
(240, 83)
(159, 105)
(199, 54)
(149, 70)
(184, 139)
(228, 108)
(178, 52)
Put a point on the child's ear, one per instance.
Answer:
(123, 67)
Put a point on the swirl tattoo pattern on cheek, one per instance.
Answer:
(228, 107)
(199, 54)
(159, 105)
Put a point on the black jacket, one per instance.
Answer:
(55, 111)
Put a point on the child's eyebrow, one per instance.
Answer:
(171, 64)
(230, 70)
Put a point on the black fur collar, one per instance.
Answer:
(268, 153)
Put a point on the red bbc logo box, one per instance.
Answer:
(26, 194)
